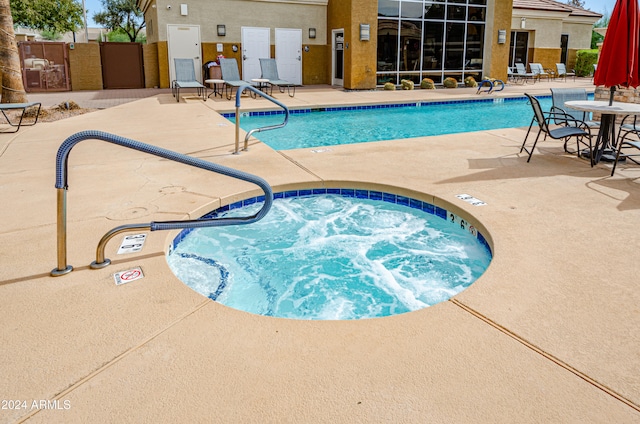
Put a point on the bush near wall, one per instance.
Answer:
(585, 61)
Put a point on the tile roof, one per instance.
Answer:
(553, 6)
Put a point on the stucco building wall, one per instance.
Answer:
(359, 56)
(496, 54)
(235, 14)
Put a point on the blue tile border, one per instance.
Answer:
(232, 115)
(345, 192)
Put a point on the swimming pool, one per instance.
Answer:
(333, 254)
(357, 124)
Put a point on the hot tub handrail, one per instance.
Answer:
(267, 128)
(62, 186)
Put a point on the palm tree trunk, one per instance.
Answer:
(12, 86)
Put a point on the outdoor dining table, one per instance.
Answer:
(607, 134)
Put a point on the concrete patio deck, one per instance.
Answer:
(549, 334)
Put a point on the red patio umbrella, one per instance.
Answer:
(619, 59)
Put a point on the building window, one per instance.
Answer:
(430, 39)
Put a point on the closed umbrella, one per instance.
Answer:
(619, 59)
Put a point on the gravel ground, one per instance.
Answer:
(55, 113)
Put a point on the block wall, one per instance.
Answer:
(150, 60)
(85, 66)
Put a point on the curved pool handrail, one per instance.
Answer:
(267, 128)
(62, 186)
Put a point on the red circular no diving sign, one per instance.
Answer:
(130, 275)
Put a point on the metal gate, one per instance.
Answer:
(122, 65)
(45, 66)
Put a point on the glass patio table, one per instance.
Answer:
(606, 141)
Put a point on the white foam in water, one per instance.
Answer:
(331, 257)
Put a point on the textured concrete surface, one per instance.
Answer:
(550, 333)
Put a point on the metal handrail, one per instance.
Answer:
(271, 127)
(100, 262)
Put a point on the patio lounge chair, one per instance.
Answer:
(522, 74)
(231, 76)
(562, 72)
(186, 78)
(578, 129)
(510, 75)
(270, 73)
(20, 106)
(539, 71)
(561, 95)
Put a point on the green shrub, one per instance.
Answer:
(428, 84)
(389, 86)
(450, 82)
(470, 82)
(585, 61)
(407, 84)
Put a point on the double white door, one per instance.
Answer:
(256, 45)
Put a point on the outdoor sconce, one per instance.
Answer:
(222, 30)
(364, 32)
(312, 33)
(523, 22)
(502, 36)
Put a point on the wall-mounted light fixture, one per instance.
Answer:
(184, 9)
(523, 23)
(312, 33)
(364, 32)
(502, 36)
(222, 30)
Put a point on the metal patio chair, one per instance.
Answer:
(578, 129)
(628, 137)
(559, 96)
(624, 142)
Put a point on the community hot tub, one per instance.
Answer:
(333, 253)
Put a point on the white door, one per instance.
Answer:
(184, 43)
(289, 54)
(256, 44)
(337, 65)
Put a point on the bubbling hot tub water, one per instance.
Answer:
(333, 257)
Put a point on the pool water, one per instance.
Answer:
(328, 128)
(332, 257)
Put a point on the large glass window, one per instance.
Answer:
(454, 46)
(430, 39)
(410, 42)
(388, 8)
(434, 10)
(433, 45)
(411, 10)
(387, 45)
